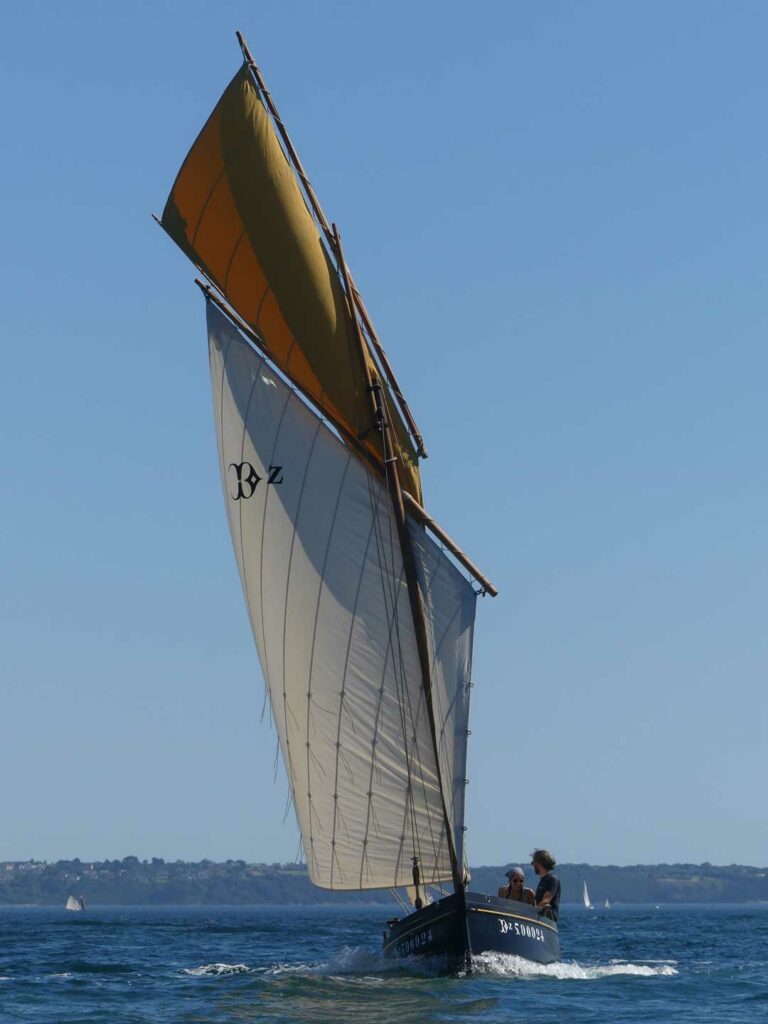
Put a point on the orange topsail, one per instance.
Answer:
(237, 211)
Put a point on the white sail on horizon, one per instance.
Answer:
(321, 567)
(75, 903)
(587, 901)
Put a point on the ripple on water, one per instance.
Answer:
(229, 966)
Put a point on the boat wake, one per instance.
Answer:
(359, 963)
(350, 961)
(504, 966)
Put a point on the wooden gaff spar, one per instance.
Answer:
(363, 623)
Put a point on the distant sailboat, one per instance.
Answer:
(587, 901)
(607, 904)
(75, 903)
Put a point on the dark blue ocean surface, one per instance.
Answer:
(268, 964)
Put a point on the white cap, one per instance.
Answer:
(515, 872)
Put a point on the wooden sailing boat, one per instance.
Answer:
(362, 608)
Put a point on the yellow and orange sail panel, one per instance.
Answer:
(237, 211)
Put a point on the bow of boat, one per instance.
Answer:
(456, 927)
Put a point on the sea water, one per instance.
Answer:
(324, 964)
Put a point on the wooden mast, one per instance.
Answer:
(379, 410)
(352, 291)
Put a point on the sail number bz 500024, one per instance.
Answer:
(531, 931)
(413, 943)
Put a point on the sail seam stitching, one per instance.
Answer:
(314, 628)
(406, 709)
(265, 648)
(240, 504)
(285, 629)
(353, 619)
(204, 207)
(421, 708)
(427, 584)
(386, 574)
(371, 812)
(231, 259)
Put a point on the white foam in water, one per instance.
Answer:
(505, 966)
(216, 970)
(369, 966)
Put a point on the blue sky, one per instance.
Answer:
(556, 213)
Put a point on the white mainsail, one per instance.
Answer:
(75, 903)
(322, 572)
(587, 901)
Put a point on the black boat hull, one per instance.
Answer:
(463, 924)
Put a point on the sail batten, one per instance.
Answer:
(322, 571)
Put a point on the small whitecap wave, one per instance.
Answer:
(279, 969)
(668, 963)
(505, 966)
(216, 970)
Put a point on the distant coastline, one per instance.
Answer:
(133, 882)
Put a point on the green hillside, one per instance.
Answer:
(131, 881)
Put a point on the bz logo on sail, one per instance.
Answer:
(247, 479)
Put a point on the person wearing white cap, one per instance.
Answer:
(515, 889)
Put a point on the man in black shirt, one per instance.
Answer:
(548, 889)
